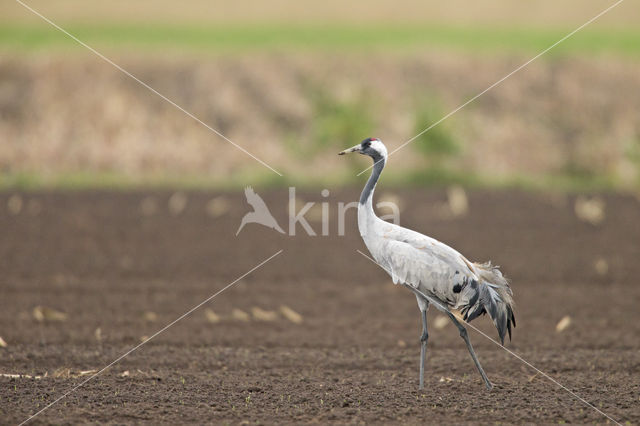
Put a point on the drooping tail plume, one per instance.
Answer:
(492, 295)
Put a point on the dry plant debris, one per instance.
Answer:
(290, 314)
(590, 210)
(43, 313)
(240, 315)
(263, 315)
(563, 324)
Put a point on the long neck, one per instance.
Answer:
(366, 198)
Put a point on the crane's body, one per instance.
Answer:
(436, 273)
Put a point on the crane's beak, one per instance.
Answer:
(352, 149)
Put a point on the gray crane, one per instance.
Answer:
(436, 273)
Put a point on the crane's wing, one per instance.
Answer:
(442, 273)
(427, 247)
(431, 270)
(254, 200)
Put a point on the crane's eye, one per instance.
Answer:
(366, 144)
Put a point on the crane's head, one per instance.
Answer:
(372, 147)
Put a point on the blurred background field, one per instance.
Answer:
(294, 82)
(319, 334)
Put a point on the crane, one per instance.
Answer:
(436, 273)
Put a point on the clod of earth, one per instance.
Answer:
(218, 206)
(42, 313)
(563, 324)
(150, 316)
(290, 314)
(14, 204)
(441, 322)
(240, 315)
(601, 266)
(590, 210)
(211, 316)
(457, 201)
(262, 315)
(177, 203)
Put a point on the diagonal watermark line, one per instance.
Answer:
(149, 339)
(124, 71)
(575, 395)
(498, 82)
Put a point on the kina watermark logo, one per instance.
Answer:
(261, 214)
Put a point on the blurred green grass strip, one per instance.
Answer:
(80, 180)
(414, 178)
(321, 37)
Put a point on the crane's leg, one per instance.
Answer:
(465, 336)
(423, 348)
(423, 304)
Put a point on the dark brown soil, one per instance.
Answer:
(96, 257)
